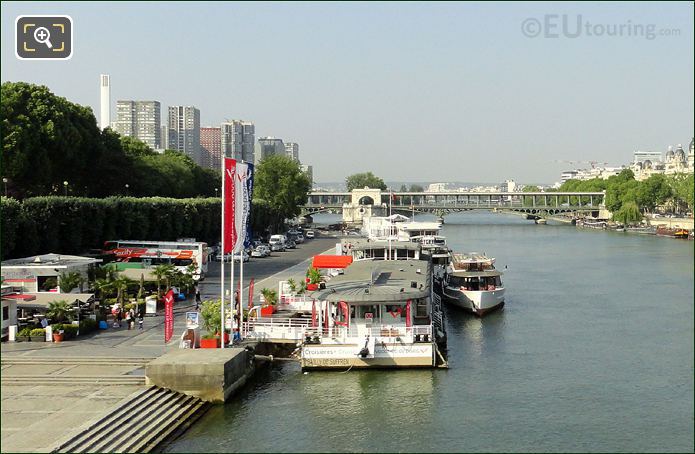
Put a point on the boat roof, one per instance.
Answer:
(471, 257)
(368, 282)
(493, 273)
(362, 244)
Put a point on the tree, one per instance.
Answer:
(59, 311)
(368, 179)
(102, 286)
(210, 313)
(70, 281)
(161, 272)
(629, 213)
(121, 284)
(282, 186)
(416, 188)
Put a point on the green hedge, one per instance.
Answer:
(73, 225)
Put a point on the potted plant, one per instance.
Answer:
(38, 335)
(212, 319)
(270, 297)
(23, 335)
(314, 276)
(292, 284)
(58, 333)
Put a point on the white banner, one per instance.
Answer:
(244, 172)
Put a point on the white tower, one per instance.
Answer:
(105, 85)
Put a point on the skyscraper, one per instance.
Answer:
(237, 139)
(139, 119)
(105, 98)
(268, 146)
(184, 131)
(292, 150)
(210, 147)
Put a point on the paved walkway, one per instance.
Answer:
(35, 418)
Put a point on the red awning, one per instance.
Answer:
(19, 296)
(331, 261)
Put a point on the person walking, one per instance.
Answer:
(197, 298)
(141, 322)
(131, 324)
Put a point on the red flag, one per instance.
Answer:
(407, 314)
(314, 315)
(393, 196)
(168, 315)
(346, 314)
(325, 319)
(251, 293)
(230, 233)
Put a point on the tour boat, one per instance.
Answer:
(473, 283)
(378, 313)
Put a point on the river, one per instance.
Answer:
(592, 352)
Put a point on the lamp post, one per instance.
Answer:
(78, 316)
(216, 192)
(65, 187)
(126, 188)
(4, 181)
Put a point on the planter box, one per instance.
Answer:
(22, 338)
(38, 338)
(210, 343)
(267, 311)
(312, 287)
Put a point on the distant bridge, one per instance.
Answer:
(441, 203)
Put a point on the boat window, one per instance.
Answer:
(421, 307)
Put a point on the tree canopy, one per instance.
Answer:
(281, 186)
(49, 140)
(368, 179)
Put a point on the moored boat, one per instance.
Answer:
(473, 283)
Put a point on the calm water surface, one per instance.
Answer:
(593, 352)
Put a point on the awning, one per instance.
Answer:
(41, 300)
(20, 296)
(331, 261)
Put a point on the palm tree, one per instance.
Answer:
(120, 284)
(69, 281)
(102, 286)
(163, 272)
(59, 311)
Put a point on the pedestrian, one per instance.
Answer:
(197, 298)
(127, 319)
(119, 316)
(141, 321)
(131, 325)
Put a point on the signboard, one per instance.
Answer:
(192, 320)
(151, 305)
(369, 316)
(168, 316)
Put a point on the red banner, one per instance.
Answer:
(314, 315)
(168, 315)
(408, 323)
(228, 199)
(251, 294)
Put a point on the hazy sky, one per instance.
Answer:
(412, 92)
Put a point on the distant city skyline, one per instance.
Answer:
(436, 92)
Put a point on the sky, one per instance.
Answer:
(478, 92)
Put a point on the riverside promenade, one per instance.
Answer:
(49, 391)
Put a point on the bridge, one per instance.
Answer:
(365, 201)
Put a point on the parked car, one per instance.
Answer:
(291, 244)
(260, 251)
(227, 257)
(309, 234)
(277, 247)
(241, 255)
(299, 239)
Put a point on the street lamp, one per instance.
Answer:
(126, 188)
(65, 186)
(216, 192)
(78, 316)
(4, 180)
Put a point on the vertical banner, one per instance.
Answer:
(243, 181)
(408, 322)
(168, 316)
(251, 294)
(229, 200)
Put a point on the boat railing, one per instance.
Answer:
(267, 328)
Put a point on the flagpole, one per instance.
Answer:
(231, 292)
(241, 295)
(224, 177)
(390, 220)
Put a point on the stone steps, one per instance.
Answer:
(34, 380)
(73, 360)
(138, 425)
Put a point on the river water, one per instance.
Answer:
(592, 352)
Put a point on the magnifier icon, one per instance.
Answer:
(42, 35)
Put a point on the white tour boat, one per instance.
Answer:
(472, 283)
